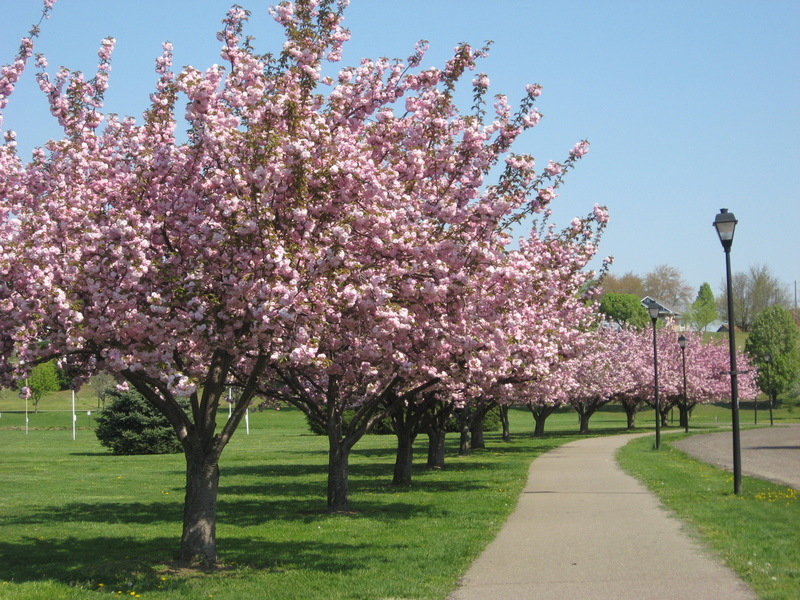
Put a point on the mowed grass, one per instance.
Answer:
(756, 533)
(78, 522)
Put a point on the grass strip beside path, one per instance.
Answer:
(756, 533)
(77, 522)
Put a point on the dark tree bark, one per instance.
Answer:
(630, 414)
(585, 409)
(409, 419)
(631, 406)
(684, 410)
(665, 408)
(404, 430)
(436, 439)
(504, 422)
(584, 421)
(476, 429)
(463, 419)
(404, 462)
(339, 473)
(198, 541)
(202, 447)
(540, 414)
(476, 434)
(436, 429)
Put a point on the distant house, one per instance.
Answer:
(663, 310)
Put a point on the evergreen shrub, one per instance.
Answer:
(129, 425)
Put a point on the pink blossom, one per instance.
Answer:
(580, 149)
(553, 168)
(481, 81)
(534, 90)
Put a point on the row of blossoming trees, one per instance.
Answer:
(618, 366)
(328, 240)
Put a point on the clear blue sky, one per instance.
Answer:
(690, 106)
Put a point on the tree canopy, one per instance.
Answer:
(774, 346)
(333, 241)
(703, 311)
(624, 309)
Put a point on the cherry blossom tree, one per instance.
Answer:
(707, 380)
(543, 398)
(329, 240)
(707, 374)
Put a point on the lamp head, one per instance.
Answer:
(725, 224)
(682, 341)
(654, 309)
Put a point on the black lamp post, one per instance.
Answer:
(768, 360)
(725, 224)
(682, 344)
(654, 311)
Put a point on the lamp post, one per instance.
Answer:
(682, 344)
(654, 310)
(725, 224)
(768, 360)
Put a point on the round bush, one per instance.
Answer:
(129, 425)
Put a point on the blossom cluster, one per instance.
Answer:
(617, 365)
(326, 238)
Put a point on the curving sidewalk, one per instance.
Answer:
(584, 530)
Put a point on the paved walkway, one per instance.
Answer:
(771, 453)
(584, 530)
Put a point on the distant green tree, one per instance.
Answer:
(103, 384)
(704, 309)
(130, 425)
(624, 309)
(43, 379)
(775, 333)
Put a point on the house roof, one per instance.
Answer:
(663, 309)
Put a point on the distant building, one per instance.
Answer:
(663, 310)
(671, 317)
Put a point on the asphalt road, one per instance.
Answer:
(771, 453)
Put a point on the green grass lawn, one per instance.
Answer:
(756, 533)
(78, 522)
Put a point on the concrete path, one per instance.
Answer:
(584, 530)
(771, 453)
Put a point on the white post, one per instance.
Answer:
(230, 404)
(74, 416)
(247, 421)
(26, 408)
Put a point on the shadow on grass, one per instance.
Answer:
(131, 564)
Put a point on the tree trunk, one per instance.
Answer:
(504, 422)
(630, 413)
(404, 460)
(584, 422)
(338, 474)
(684, 410)
(436, 438)
(464, 446)
(665, 416)
(199, 541)
(540, 414)
(476, 434)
